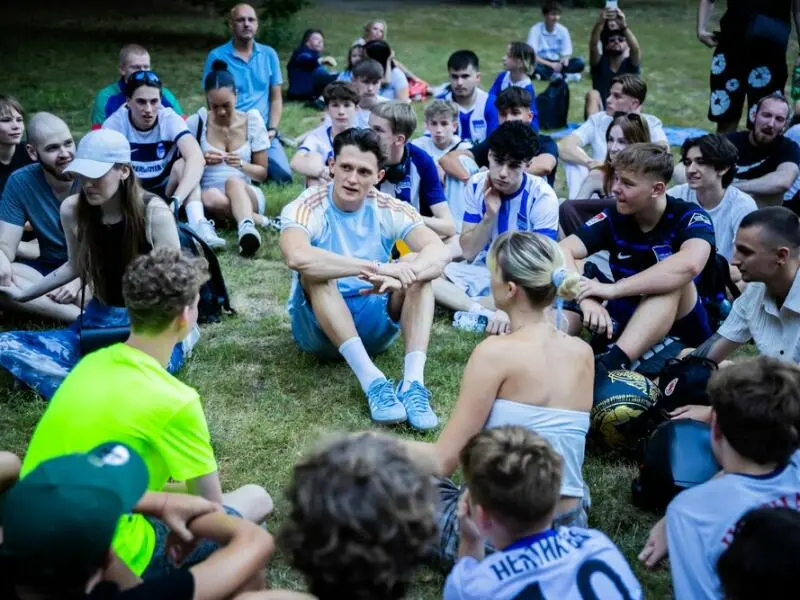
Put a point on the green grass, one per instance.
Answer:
(265, 402)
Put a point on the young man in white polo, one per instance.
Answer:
(347, 299)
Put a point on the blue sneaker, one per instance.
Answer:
(417, 402)
(384, 408)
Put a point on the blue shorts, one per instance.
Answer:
(692, 329)
(161, 564)
(374, 326)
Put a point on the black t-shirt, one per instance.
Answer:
(19, 159)
(602, 74)
(741, 13)
(178, 585)
(632, 250)
(480, 152)
(757, 161)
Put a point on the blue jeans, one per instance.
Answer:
(576, 64)
(278, 169)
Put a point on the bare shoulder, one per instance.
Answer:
(69, 206)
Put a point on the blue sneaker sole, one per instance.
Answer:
(389, 421)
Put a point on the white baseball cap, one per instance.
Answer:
(98, 151)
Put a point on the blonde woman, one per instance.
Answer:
(535, 376)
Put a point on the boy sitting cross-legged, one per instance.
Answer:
(514, 477)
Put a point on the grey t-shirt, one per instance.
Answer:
(726, 216)
(28, 197)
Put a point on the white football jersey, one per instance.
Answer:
(570, 563)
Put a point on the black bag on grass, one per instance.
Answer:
(214, 299)
(553, 105)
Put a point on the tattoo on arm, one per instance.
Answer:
(705, 348)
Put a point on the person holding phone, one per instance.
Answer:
(749, 55)
(613, 51)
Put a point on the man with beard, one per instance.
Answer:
(613, 51)
(768, 161)
(477, 115)
(34, 194)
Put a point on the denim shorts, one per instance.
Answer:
(374, 325)
(161, 564)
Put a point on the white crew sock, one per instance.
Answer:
(194, 213)
(480, 309)
(356, 356)
(414, 369)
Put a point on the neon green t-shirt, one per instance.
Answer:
(122, 394)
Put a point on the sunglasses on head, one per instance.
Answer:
(147, 76)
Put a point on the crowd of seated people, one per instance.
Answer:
(395, 218)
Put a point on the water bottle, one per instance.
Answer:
(725, 308)
(469, 321)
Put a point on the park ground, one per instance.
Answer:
(265, 402)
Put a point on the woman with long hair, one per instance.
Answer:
(234, 145)
(395, 82)
(594, 195)
(536, 376)
(354, 56)
(107, 224)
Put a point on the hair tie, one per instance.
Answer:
(558, 276)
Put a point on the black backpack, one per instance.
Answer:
(214, 299)
(553, 105)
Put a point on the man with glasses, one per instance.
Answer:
(166, 157)
(613, 51)
(132, 58)
(257, 72)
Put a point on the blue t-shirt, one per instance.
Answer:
(420, 185)
(28, 197)
(478, 121)
(503, 81)
(254, 78)
(632, 250)
(367, 233)
(568, 563)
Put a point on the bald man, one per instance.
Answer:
(257, 72)
(33, 194)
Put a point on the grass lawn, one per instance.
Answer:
(265, 402)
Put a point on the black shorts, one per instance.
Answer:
(739, 69)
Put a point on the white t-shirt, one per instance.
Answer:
(153, 152)
(793, 134)
(726, 216)
(426, 143)
(593, 133)
(567, 563)
(701, 522)
(319, 140)
(367, 233)
(550, 45)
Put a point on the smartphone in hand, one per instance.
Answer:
(612, 5)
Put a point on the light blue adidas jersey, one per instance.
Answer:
(367, 233)
(477, 122)
(533, 207)
(420, 185)
(701, 522)
(570, 563)
(503, 81)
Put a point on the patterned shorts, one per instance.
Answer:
(738, 70)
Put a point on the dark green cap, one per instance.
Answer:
(65, 512)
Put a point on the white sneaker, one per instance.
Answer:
(571, 77)
(249, 238)
(205, 229)
(270, 223)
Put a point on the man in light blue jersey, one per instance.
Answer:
(257, 72)
(504, 198)
(411, 174)
(477, 116)
(346, 298)
(514, 477)
(754, 437)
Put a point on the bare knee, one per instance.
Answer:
(235, 185)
